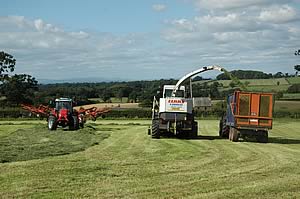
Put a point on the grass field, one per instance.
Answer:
(287, 106)
(294, 80)
(129, 164)
(264, 85)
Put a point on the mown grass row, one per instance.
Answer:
(132, 165)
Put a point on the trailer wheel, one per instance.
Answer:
(52, 123)
(262, 137)
(235, 135)
(155, 128)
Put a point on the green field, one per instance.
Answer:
(129, 164)
(287, 106)
(263, 85)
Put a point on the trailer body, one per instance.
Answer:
(248, 114)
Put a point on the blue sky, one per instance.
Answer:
(108, 16)
(133, 39)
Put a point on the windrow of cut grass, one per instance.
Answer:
(34, 141)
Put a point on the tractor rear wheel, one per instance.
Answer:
(155, 128)
(75, 122)
(52, 123)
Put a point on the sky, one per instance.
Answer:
(112, 40)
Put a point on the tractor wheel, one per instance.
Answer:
(81, 125)
(262, 137)
(75, 122)
(52, 123)
(155, 128)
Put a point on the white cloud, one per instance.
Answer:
(278, 14)
(234, 4)
(236, 36)
(246, 34)
(159, 7)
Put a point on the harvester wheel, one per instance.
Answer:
(155, 128)
(52, 123)
(194, 132)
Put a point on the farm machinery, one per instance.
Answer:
(248, 114)
(173, 114)
(64, 114)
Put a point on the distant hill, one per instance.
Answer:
(246, 74)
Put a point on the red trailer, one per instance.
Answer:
(248, 114)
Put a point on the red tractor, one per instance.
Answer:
(63, 115)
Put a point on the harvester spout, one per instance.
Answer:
(201, 70)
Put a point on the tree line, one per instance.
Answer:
(23, 88)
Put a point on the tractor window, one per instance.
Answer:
(63, 105)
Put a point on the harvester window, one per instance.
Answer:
(168, 93)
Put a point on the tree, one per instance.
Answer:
(19, 89)
(106, 95)
(278, 75)
(7, 64)
(297, 68)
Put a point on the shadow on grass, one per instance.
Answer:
(199, 137)
(281, 140)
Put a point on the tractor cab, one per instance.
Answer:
(64, 103)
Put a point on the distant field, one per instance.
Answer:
(129, 164)
(287, 106)
(291, 96)
(269, 88)
(294, 80)
(113, 105)
(113, 100)
(257, 82)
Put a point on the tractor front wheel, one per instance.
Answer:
(52, 123)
